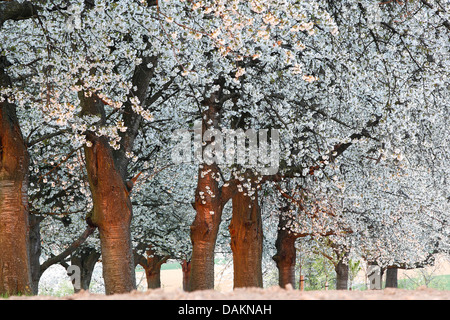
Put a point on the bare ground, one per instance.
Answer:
(274, 293)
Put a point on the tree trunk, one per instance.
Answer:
(204, 229)
(341, 269)
(186, 268)
(153, 277)
(112, 215)
(141, 78)
(85, 259)
(35, 251)
(301, 283)
(209, 203)
(112, 212)
(107, 172)
(286, 256)
(152, 266)
(246, 240)
(15, 273)
(392, 277)
(202, 261)
(153, 271)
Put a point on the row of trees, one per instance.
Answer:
(91, 92)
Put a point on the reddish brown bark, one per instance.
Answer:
(246, 240)
(286, 255)
(112, 211)
(153, 275)
(301, 283)
(15, 274)
(209, 202)
(152, 267)
(204, 229)
(112, 215)
(186, 268)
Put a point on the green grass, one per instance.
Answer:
(20, 294)
(171, 266)
(64, 288)
(441, 282)
(176, 265)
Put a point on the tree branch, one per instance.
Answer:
(14, 10)
(57, 259)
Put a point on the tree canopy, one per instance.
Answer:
(350, 97)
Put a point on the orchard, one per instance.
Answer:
(298, 138)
